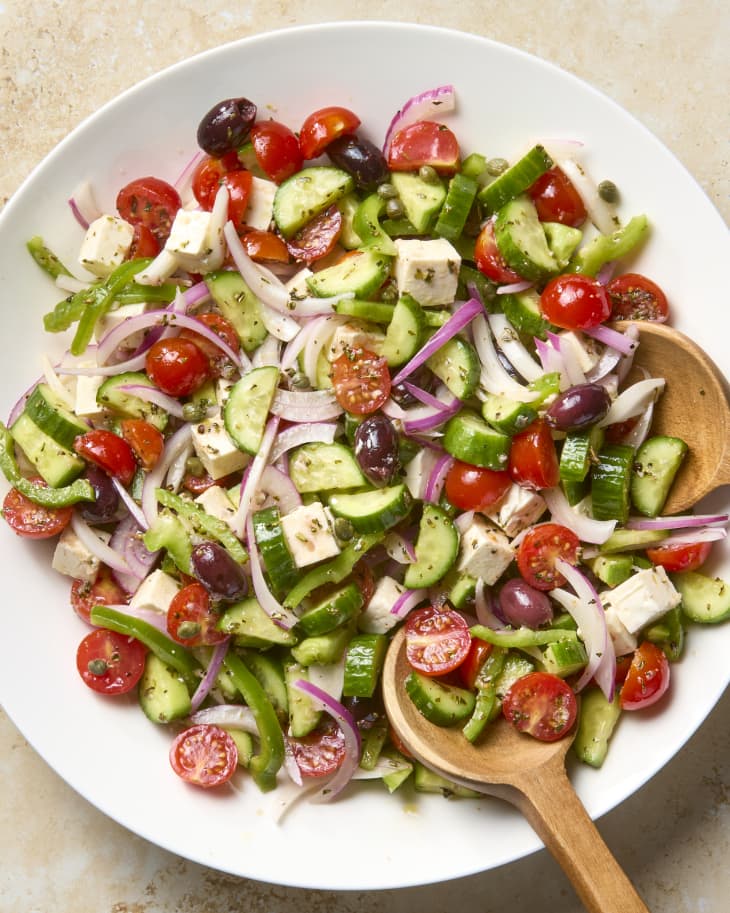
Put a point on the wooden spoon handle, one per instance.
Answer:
(552, 807)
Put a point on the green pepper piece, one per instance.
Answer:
(45, 258)
(264, 765)
(373, 740)
(589, 259)
(486, 683)
(366, 223)
(168, 532)
(204, 523)
(521, 637)
(135, 293)
(668, 633)
(80, 490)
(334, 571)
(70, 309)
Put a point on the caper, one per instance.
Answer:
(194, 466)
(195, 412)
(389, 292)
(608, 191)
(428, 174)
(188, 630)
(344, 530)
(97, 666)
(387, 191)
(394, 209)
(497, 166)
(300, 381)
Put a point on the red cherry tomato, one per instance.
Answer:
(323, 126)
(539, 549)
(361, 381)
(218, 361)
(575, 302)
(103, 591)
(318, 237)
(634, 297)
(145, 440)
(557, 200)
(471, 667)
(533, 460)
(108, 451)
(647, 679)
(110, 663)
(177, 366)
(320, 753)
(204, 755)
(542, 705)
(674, 558)
(264, 246)
(144, 243)
(424, 143)
(437, 640)
(208, 176)
(191, 619)
(31, 520)
(150, 202)
(277, 149)
(475, 487)
(196, 485)
(489, 260)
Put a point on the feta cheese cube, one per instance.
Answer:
(354, 335)
(623, 641)
(156, 592)
(297, 285)
(377, 617)
(106, 244)
(643, 598)
(260, 209)
(485, 552)
(85, 403)
(215, 449)
(308, 534)
(418, 471)
(189, 239)
(428, 270)
(215, 501)
(73, 558)
(517, 510)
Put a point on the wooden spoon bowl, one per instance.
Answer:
(521, 770)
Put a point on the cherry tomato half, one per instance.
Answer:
(538, 551)
(542, 705)
(110, 663)
(218, 361)
(361, 381)
(424, 143)
(323, 126)
(145, 440)
(647, 679)
(31, 520)
(489, 260)
(634, 297)
(144, 243)
(575, 302)
(277, 149)
(318, 237)
(103, 591)
(437, 640)
(471, 667)
(557, 200)
(264, 246)
(208, 176)
(320, 753)
(475, 487)
(674, 558)
(177, 366)
(151, 202)
(191, 619)
(533, 460)
(109, 452)
(204, 755)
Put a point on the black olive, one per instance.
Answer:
(226, 126)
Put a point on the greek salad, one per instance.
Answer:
(322, 387)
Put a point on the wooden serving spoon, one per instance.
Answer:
(520, 769)
(693, 406)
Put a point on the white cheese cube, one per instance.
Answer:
(428, 270)
(354, 335)
(156, 592)
(260, 209)
(586, 351)
(74, 559)
(297, 285)
(215, 501)
(308, 534)
(623, 641)
(485, 552)
(418, 471)
(643, 598)
(85, 404)
(106, 244)
(189, 240)
(517, 510)
(215, 449)
(377, 617)
(112, 319)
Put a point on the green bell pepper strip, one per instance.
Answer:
(135, 293)
(45, 258)
(521, 637)
(334, 571)
(486, 683)
(589, 259)
(79, 490)
(168, 532)
(366, 223)
(203, 523)
(164, 648)
(265, 765)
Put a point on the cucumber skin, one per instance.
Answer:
(163, 695)
(705, 600)
(442, 705)
(598, 718)
(297, 201)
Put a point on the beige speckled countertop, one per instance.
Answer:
(667, 62)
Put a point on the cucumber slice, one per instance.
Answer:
(564, 658)
(363, 661)
(507, 415)
(622, 540)
(268, 670)
(610, 483)
(303, 715)
(362, 273)
(516, 179)
(335, 610)
(127, 404)
(421, 200)
(441, 704)
(372, 511)
(375, 311)
(238, 304)
(427, 781)
(53, 418)
(247, 407)
(55, 464)
(366, 224)
(523, 312)
(307, 193)
(470, 439)
(579, 448)
(562, 241)
(459, 200)
(163, 695)
(349, 238)
(250, 626)
(323, 649)
(598, 718)
(656, 464)
(704, 599)
(521, 240)
(324, 467)
(403, 336)
(437, 546)
(456, 363)
(280, 567)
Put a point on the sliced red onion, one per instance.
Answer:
(399, 548)
(161, 268)
(151, 616)
(633, 401)
(407, 600)
(196, 294)
(54, 382)
(687, 522)
(280, 615)
(183, 179)
(464, 521)
(136, 363)
(232, 716)
(279, 489)
(586, 528)
(425, 106)
(426, 418)
(307, 406)
(636, 435)
(494, 377)
(590, 617)
(308, 433)
(708, 534)
(127, 541)
(134, 509)
(462, 318)
(252, 478)
(83, 204)
(96, 546)
(437, 478)
(484, 607)
(605, 273)
(626, 363)
(514, 288)
(290, 766)
(211, 673)
(613, 338)
(174, 446)
(552, 361)
(330, 677)
(609, 359)
(157, 397)
(312, 349)
(571, 365)
(509, 342)
(267, 354)
(351, 733)
(312, 306)
(600, 213)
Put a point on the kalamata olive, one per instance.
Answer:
(579, 407)
(226, 126)
(360, 158)
(222, 577)
(521, 604)
(104, 508)
(376, 448)
(423, 377)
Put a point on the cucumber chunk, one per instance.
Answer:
(598, 718)
(363, 661)
(456, 363)
(53, 418)
(436, 548)
(247, 407)
(163, 695)
(516, 179)
(470, 439)
(521, 240)
(441, 704)
(335, 610)
(362, 274)
(250, 626)
(324, 467)
(656, 464)
(307, 193)
(238, 304)
(56, 465)
(611, 480)
(371, 511)
(705, 600)
(303, 715)
(127, 404)
(403, 336)
(421, 200)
